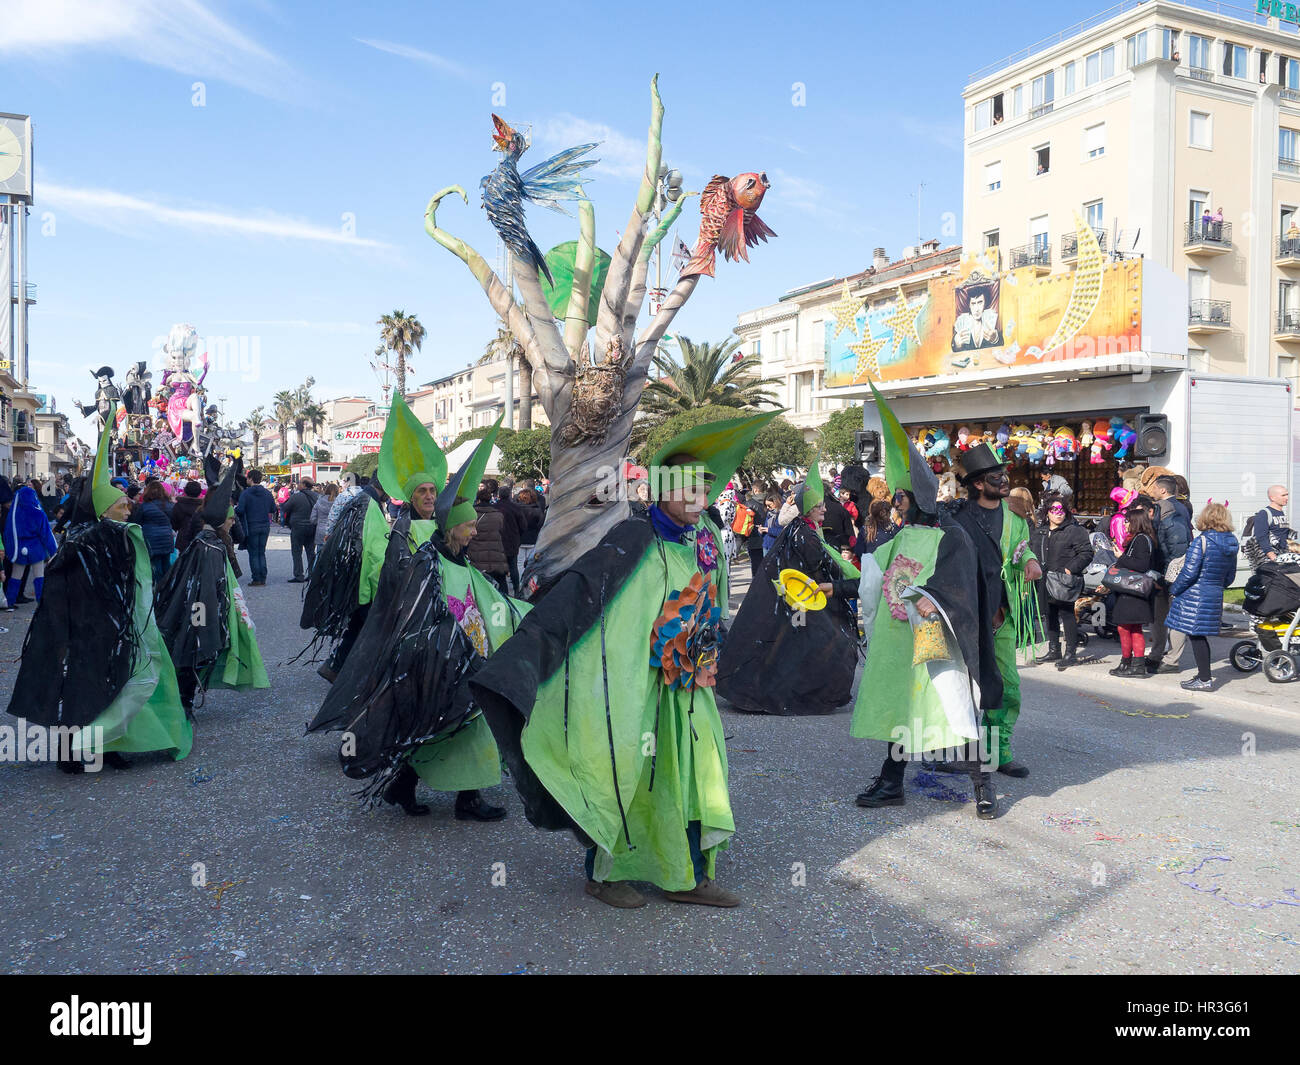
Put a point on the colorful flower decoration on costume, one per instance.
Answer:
(684, 639)
(706, 551)
(901, 573)
(467, 616)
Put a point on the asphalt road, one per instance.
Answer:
(1157, 833)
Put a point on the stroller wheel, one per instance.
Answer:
(1280, 667)
(1082, 641)
(1245, 656)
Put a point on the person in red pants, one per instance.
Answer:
(1133, 611)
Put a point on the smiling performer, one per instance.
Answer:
(783, 656)
(401, 696)
(604, 706)
(93, 656)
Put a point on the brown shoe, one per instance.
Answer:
(705, 893)
(617, 893)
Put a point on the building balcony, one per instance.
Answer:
(1070, 244)
(1208, 316)
(25, 438)
(1200, 74)
(1288, 326)
(1286, 251)
(1039, 256)
(31, 293)
(1207, 238)
(1287, 165)
(1041, 110)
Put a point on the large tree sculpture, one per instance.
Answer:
(590, 402)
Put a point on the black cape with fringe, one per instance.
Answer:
(198, 576)
(335, 580)
(403, 683)
(82, 645)
(505, 686)
(773, 662)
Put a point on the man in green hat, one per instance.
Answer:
(433, 618)
(93, 659)
(622, 746)
(781, 658)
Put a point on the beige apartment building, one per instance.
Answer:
(789, 336)
(1173, 130)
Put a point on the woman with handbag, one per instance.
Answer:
(1063, 548)
(1134, 586)
(1196, 596)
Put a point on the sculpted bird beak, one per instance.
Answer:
(502, 137)
(763, 178)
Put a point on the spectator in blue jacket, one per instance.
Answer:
(151, 514)
(1173, 522)
(769, 524)
(1196, 597)
(255, 509)
(28, 541)
(1269, 528)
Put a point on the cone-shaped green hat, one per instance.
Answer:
(408, 455)
(904, 465)
(456, 502)
(719, 446)
(103, 494)
(812, 492)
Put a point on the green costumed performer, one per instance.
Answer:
(930, 665)
(434, 617)
(1008, 569)
(93, 659)
(604, 708)
(779, 657)
(201, 610)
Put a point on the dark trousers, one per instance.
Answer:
(159, 564)
(1201, 650)
(257, 553)
(755, 562)
(1062, 614)
(302, 537)
(187, 679)
(513, 562)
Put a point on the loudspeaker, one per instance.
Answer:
(866, 442)
(1152, 436)
(854, 478)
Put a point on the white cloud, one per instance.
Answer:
(179, 35)
(447, 66)
(946, 135)
(348, 328)
(619, 155)
(105, 208)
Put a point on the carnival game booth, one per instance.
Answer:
(1085, 372)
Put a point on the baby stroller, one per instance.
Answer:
(1272, 599)
(1092, 608)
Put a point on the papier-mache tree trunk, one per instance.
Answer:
(588, 444)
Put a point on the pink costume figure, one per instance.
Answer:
(182, 402)
(1121, 497)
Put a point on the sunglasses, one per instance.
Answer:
(1056, 510)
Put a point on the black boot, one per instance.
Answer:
(72, 765)
(1139, 668)
(117, 761)
(882, 792)
(401, 792)
(1124, 668)
(471, 807)
(1053, 653)
(1067, 661)
(986, 796)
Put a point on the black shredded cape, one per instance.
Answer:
(82, 645)
(335, 580)
(196, 638)
(505, 686)
(404, 682)
(985, 582)
(776, 662)
(955, 586)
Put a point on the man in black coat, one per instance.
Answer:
(297, 512)
(514, 525)
(1173, 522)
(838, 527)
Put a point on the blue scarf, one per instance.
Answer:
(666, 528)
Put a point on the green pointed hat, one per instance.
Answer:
(456, 502)
(103, 494)
(719, 446)
(408, 455)
(812, 492)
(905, 467)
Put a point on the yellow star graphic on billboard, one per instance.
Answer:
(846, 312)
(903, 320)
(867, 349)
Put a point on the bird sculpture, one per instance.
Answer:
(728, 220)
(549, 183)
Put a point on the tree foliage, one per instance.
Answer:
(837, 436)
(364, 465)
(527, 453)
(777, 446)
(478, 433)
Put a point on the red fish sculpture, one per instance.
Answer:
(728, 220)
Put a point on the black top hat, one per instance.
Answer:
(104, 371)
(978, 460)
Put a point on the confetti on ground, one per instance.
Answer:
(199, 777)
(1130, 713)
(1101, 837)
(945, 969)
(932, 787)
(1291, 898)
(1284, 824)
(1066, 822)
(1202, 789)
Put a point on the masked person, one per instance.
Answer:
(604, 708)
(1007, 569)
(927, 673)
(201, 609)
(779, 657)
(93, 658)
(401, 698)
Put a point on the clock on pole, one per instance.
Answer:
(15, 156)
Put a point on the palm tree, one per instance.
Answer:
(402, 334)
(314, 415)
(505, 346)
(302, 399)
(283, 415)
(708, 375)
(256, 417)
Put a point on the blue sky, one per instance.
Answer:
(231, 215)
